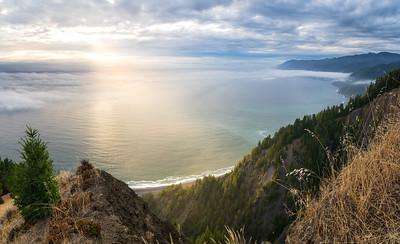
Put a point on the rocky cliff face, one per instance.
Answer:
(96, 208)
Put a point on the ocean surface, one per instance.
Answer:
(159, 121)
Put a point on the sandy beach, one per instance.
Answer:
(156, 190)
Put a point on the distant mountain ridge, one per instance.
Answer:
(346, 64)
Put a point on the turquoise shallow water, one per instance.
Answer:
(163, 123)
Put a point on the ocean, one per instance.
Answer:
(159, 121)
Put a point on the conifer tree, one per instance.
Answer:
(7, 168)
(1, 193)
(35, 188)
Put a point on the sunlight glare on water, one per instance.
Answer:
(147, 122)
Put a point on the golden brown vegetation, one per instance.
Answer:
(8, 218)
(361, 204)
(237, 237)
(69, 216)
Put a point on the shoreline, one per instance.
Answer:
(158, 189)
(143, 187)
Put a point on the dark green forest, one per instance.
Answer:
(255, 195)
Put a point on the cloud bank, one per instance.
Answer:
(99, 29)
(28, 91)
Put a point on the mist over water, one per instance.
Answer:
(159, 122)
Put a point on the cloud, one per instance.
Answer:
(275, 27)
(27, 91)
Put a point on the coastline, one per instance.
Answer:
(143, 186)
(158, 189)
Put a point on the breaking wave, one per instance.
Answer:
(171, 180)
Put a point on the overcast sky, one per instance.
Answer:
(106, 29)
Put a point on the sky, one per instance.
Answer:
(104, 30)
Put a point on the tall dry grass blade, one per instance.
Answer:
(361, 203)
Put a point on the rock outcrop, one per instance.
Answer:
(96, 208)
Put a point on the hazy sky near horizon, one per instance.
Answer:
(108, 29)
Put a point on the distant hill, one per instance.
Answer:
(375, 71)
(347, 64)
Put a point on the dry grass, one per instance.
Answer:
(68, 218)
(9, 218)
(63, 178)
(6, 206)
(362, 203)
(68, 223)
(237, 237)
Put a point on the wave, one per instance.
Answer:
(363, 82)
(172, 180)
(264, 133)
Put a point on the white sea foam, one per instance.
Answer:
(171, 180)
(264, 133)
(363, 82)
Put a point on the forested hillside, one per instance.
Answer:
(375, 71)
(256, 193)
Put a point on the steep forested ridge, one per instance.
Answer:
(375, 71)
(254, 194)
